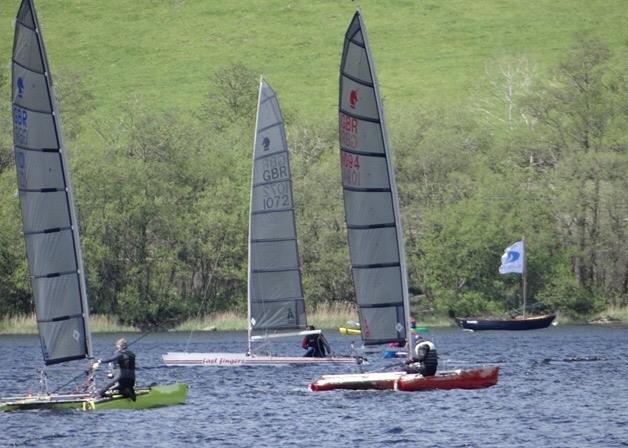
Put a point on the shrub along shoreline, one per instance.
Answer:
(327, 318)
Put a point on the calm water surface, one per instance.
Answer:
(559, 387)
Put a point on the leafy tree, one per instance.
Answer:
(232, 98)
(581, 116)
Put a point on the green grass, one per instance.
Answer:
(425, 51)
(328, 317)
(28, 325)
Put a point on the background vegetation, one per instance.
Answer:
(506, 119)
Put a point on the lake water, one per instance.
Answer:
(564, 386)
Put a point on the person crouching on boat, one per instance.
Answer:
(315, 344)
(124, 377)
(424, 359)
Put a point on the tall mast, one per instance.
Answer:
(523, 275)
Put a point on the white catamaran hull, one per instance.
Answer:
(240, 359)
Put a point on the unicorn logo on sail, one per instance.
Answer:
(20, 87)
(353, 99)
(266, 143)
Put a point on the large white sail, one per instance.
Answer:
(370, 197)
(275, 293)
(48, 216)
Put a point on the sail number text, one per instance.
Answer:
(20, 128)
(348, 131)
(350, 164)
(275, 167)
(276, 195)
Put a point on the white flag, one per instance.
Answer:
(512, 260)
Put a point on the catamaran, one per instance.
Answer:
(51, 231)
(376, 246)
(276, 305)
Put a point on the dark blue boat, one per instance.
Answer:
(524, 323)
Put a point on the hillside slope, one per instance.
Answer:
(426, 50)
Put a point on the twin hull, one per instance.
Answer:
(239, 359)
(479, 378)
(151, 397)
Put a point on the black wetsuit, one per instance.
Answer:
(425, 361)
(124, 362)
(316, 345)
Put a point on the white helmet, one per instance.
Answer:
(422, 343)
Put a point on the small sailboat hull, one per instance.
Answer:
(479, 378)
(152, 397)
(357, 381)
(349, 331)
(528, 323)
(241, 359)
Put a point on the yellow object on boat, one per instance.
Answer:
(349, 331)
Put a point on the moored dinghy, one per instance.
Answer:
(373, 222)
(276, 305)
(51, 231)
(513, 261)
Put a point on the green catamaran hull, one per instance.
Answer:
(151, 397)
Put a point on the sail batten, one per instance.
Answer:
(46, 199)
(275, 292)
(357, 80)
(370, 197)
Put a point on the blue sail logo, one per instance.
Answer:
(266, 143)
(20, 87)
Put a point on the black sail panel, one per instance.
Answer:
(46, 199)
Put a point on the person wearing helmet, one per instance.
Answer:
(424, 359)
(124, 378)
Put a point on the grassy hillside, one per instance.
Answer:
(425, 50)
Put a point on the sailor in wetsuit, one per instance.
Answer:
(124, 378)
(424, 360)
(315, 344)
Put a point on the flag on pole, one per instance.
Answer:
(512, 260)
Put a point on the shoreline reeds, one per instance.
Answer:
(327, 317)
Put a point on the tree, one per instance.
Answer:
(232, 98)
(581, 115)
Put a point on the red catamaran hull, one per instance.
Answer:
(459, 379)
(479, 378)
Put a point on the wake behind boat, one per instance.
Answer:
(276, 305)
(51, 231)
(374, 231)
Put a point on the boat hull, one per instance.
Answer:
(152, 397)
(350, 331)
(357, 381)
(528, 323)
(241, 359)
(459, 379)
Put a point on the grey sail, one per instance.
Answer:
(370, 197)
(48, 216)
(275, 293)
